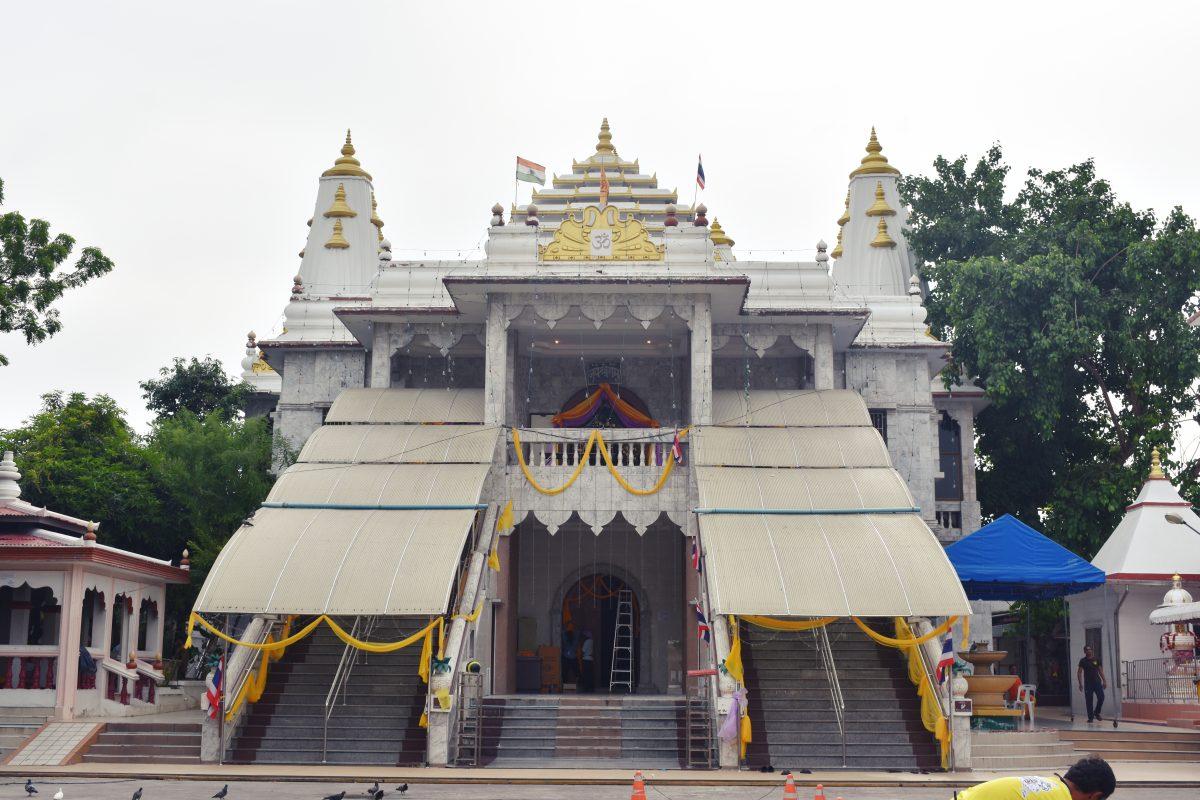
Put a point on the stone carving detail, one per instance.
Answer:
(759, 342)
(551, 312)
(601, 234)
(719, 340)
(598, 312)
(641, 520)
(597, 519)
(553, 519)
(445, 338)
(685, 312)
(806, 340)
(398, 340)
(646, 312)
(511, 312)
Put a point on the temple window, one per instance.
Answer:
(950, 485)
(29, 615)
(879, 421)
(147, 625)
(93, 618)
(118, 643)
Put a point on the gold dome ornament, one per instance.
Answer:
(874, 162)
(836, 252)
(347, 164)
(845, 217)
(1156, 472)
(337, 241)
(340, 208)
(880, 208)
(604, 141)
(716, 234)
(881, 236)
(375, 220)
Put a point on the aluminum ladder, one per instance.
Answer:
(621, 673)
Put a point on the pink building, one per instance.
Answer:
(80, 622)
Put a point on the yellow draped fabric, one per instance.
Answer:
(603, 391)
(504, 523)
(733, 661)
(904, 643)
(594, 439)
(745, 733)
(772, 624)
(253, 687)
(931, 709)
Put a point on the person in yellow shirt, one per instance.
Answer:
(1091, 778)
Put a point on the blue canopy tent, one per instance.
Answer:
(1008, 560)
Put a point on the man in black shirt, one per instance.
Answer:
(1090, 676)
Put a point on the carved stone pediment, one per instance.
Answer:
(600, 234)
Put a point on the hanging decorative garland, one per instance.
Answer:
(596, 438)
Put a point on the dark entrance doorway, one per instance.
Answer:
(590, 605)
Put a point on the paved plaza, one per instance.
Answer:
(81, 789)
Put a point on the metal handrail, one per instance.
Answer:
(835, 685)
(340, 676)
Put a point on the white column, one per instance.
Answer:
(70, 629)
(381, 356)
(701, 389)
(728, 753)
(823, 358)
(495, 364)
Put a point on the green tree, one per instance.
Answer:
(80, 457)
(1069, 308)
(30, 278)
(199, 386)
(212, 473)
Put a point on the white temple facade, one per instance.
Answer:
(782, 423)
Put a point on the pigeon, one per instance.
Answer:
(29, 787)
(402, 788)
(137, 795)
(371, 792)
(221, 794)
(378, 795)
(58, 795)
(339, 796)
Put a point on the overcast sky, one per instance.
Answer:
(185, 140)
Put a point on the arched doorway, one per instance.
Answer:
(591, 605)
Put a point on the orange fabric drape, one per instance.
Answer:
(592, 399)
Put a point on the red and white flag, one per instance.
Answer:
(677, 449)
(212, 684)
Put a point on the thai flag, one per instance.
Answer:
(212, 695)
(702, 629)
(947, 659)
(700, 172)
(677, 449)
(696, 560)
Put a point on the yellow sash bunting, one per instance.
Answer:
(596, 438)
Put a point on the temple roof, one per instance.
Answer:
(1145, 546)
(630, 189)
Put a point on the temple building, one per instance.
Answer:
(611, 455)
(81, 630)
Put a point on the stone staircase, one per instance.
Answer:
(642, 732)
(1119, 745)
(794, 724)
(17, 725)
(378, 722)
(1027, 750)
(146, 743)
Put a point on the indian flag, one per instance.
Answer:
(531, 172)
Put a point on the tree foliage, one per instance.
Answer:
(199, 386)
(1069, 308)
(30, 278)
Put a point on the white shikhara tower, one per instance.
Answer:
(315, 354)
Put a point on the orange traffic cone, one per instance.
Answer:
(820, 795)
(639, 787)
(789, 789)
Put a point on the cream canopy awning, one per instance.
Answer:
(372, 520)
(808, 518)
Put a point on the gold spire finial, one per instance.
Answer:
(875, 162)
(347, 164)
(880, 208)
(845, 217)
(340, 208)
(337, 241)
(716, 234)
(1156, 472)
(604, 142)
(375, 220)
(881, 236)
(836, 252)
